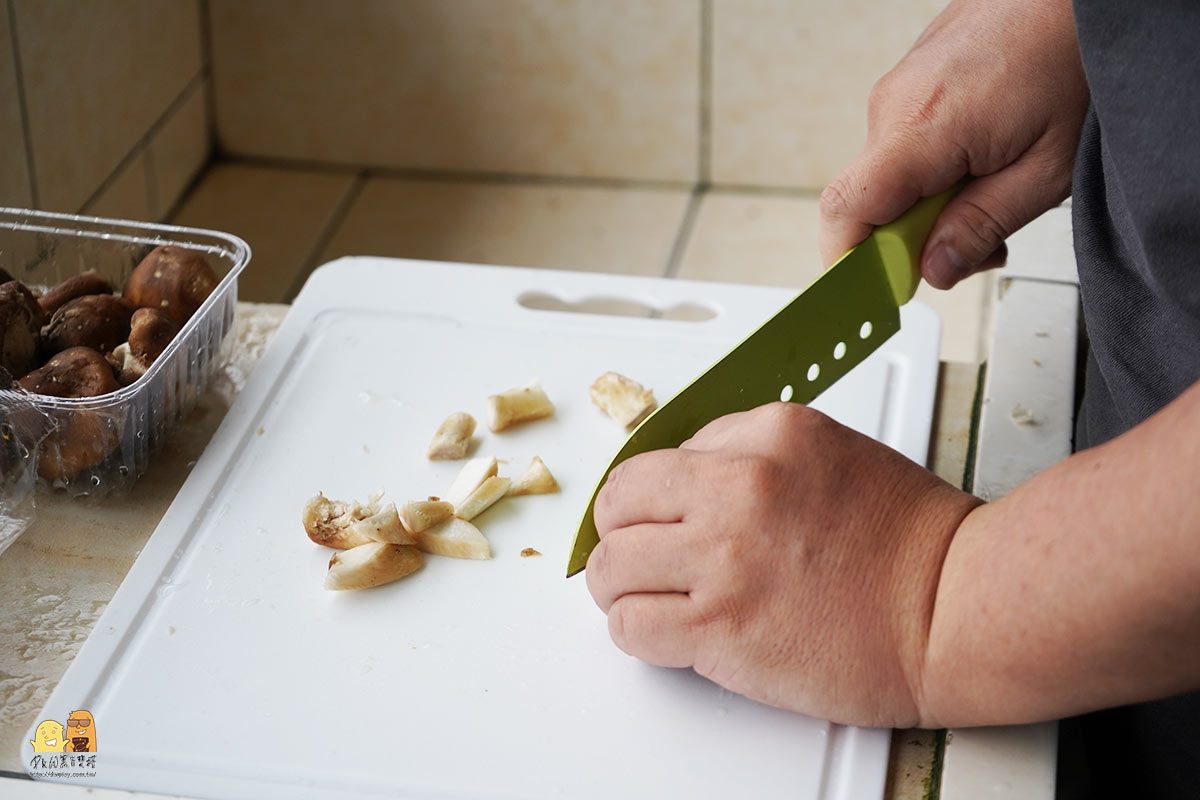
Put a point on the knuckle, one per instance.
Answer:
(835, 200)
(609, 496)
(598, 574)
(982, 229)
(619, 628)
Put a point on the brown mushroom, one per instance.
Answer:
(98, 321)
(20, 319)
(83, 438)
(84, 283)
(173, 280)
(150, 332)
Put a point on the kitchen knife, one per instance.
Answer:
(839, 320)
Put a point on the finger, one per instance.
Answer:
(756, 430)
(969, 233)
(649, 487)
(641, 558)
(880, 185)
(657, 628)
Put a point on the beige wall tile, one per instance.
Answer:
(606, 89)
(772, 241)
(746, 238)
(790, 80)
(624, 231)
(97, 76)
(127, 195)
(179, 149)
(14, 174)
(280, 213)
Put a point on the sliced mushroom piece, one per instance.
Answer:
(342, 525)
(20, 321)
(455, 538)
(482, 498)
(85, 437)
(150, 331)
(98, 321)
(371, 564)
(422, 514)
(473, 473)
(524, 403)
(172, 279)
(452, 438)
(90, 282)
(623, 399)
(536, 479)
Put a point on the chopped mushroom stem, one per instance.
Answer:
(343, 525)
(455, 538)
(452, 438)
(372, 564)
(473, 473)
(623, 399)
(536, 479)
(422, 514)
(482, 498)
(517, 405)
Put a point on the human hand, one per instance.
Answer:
(782, 555)
(992, 88)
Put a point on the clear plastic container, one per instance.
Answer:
(120, 430)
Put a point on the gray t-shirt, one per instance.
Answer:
(1136, 215)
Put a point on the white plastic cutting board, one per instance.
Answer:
(221, 668)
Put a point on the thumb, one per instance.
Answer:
(969, 234)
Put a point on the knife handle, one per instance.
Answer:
(901, 241)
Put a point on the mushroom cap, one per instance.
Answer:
(89, 282)
(82, 438)
(75, 372)
(98, 321)
(172, 279)
(150, 332)
(20, 320)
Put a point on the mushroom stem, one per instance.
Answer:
(482, 498)
(343, 525)
(536, 479)
(371, 564)
(521, 404)
(623, 399)
(473, 473)
(452, 438)
(420, 515)
(455, 538)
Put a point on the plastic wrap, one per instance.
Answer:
(23, 427)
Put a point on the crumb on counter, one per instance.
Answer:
(529, 551)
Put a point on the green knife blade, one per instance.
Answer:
(827, 330)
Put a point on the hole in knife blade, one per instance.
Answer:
(786, 394)
(814, 371)
(865, 330)
(839, 351)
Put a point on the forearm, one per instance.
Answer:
(1079, 590)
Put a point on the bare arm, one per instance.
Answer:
(1080, 589)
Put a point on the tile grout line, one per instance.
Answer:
(684, 233)
(22, 105)
(502, 178)
(453, 176)
(336, 218)
(210, 92)
(141, 145)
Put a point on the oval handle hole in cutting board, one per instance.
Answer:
(616, 307)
